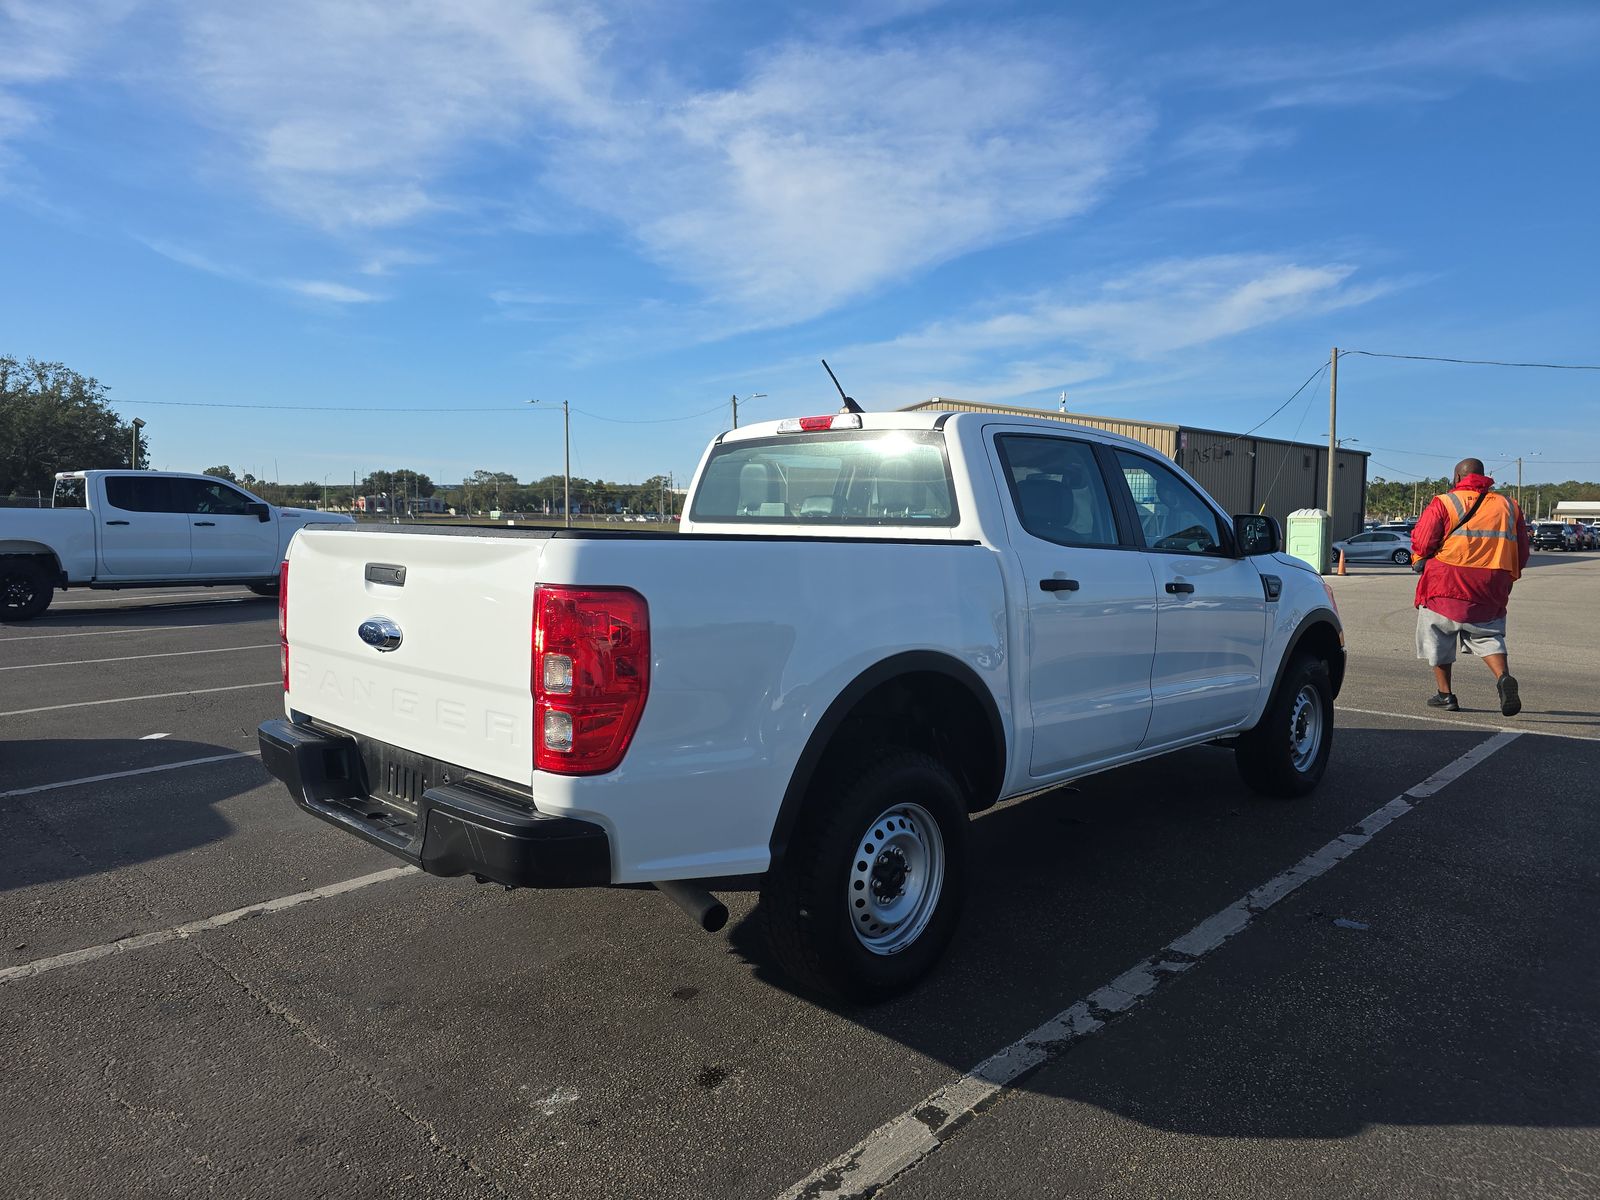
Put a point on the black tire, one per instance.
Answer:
(264, 589)
(813, 900)
(1401, 558)
(1274, 757)
(25, 589)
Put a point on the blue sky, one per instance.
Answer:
(1170, 211)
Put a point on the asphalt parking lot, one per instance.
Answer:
(1163, 986)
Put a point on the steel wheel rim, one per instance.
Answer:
(1401, 557)
(1305, 727)
(896, 877)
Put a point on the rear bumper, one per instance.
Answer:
(457, 829)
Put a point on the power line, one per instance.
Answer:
(302, 407)
(1309, 380)
(1475, 362)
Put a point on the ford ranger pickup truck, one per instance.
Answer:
(115, 529)
(870, 627)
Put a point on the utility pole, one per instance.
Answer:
(1333, 427)
(566, 438)
(1519, 481)
(133, 455)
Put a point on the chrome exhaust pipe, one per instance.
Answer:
(704, 909)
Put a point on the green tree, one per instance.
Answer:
(54, 419)
(222, 472)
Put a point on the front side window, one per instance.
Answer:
(870, 477)
(213, 498)
(1059, 493)
(1171, 513)
(142, 493)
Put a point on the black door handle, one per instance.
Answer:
(200, 523)
(1180, 588)
(1058, 585)
(116, 522)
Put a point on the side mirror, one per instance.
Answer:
(262, 511)
(1257, 535)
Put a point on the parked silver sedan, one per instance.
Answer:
(1377, 545)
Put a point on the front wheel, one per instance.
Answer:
(870, 891)
(1401, 558)
(25, 589)
(1286, 754)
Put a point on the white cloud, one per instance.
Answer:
(1089, 330)
(337, 293)
(832, 171)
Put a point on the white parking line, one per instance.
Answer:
(39, 637)
(22, 712)
(1466, 723)
(188, 762)
(89, 662)
(905, 1141)
(144, 941)
(152, 597)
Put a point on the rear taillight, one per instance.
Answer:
(283, 619)
(591, 674)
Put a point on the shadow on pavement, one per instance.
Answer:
(66, 833)
(1471, 995)
(153, 613)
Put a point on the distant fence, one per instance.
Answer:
(24, 501)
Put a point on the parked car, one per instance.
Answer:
(116, 529)
(1377, 545)
(1553, 535)
(870, 627)
(1585, 535)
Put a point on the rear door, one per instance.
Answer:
(227, 538)
(1211, 626)
(1090, 602)
(144, 532)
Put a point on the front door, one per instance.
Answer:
(1091, 614)
(144, 532)
(1211, 627)
(228, 539)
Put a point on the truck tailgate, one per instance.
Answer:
(456, 686)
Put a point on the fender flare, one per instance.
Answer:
(822, 736)
(1321, 615)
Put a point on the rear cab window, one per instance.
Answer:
(884, 477)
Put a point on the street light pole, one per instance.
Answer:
(747, 399)
(1333, 427)
(133, 454)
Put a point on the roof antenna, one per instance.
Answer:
(850, 406)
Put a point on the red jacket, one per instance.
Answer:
(1468, 594)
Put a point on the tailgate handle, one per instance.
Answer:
(386, 573)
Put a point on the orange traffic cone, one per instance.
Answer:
(1341, 570)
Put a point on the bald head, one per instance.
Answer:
(1468, 466)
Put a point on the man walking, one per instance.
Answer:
(1471, 544)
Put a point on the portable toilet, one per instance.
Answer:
(1309, 538)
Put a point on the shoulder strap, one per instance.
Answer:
(1476, 504)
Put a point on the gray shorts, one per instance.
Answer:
(1438, 637)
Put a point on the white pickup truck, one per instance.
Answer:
(869, 628)
(116, 529)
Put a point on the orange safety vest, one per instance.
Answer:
(1488, 540)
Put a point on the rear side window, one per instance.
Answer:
(870, 477)
(142, 493)
(1059, 493)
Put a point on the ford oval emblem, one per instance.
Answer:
(380, 633)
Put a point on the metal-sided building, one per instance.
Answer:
(1244, 474)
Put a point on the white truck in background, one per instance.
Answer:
(115, 529)
(869, 627)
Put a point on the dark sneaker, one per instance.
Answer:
(1444, 700)
(1510, 702)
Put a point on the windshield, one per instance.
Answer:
(881, 477)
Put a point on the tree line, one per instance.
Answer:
(54, 419)
(1398, 498)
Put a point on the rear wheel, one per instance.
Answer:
(25, 589)
(1401, 558)
(870, 891)
(1286, 754)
